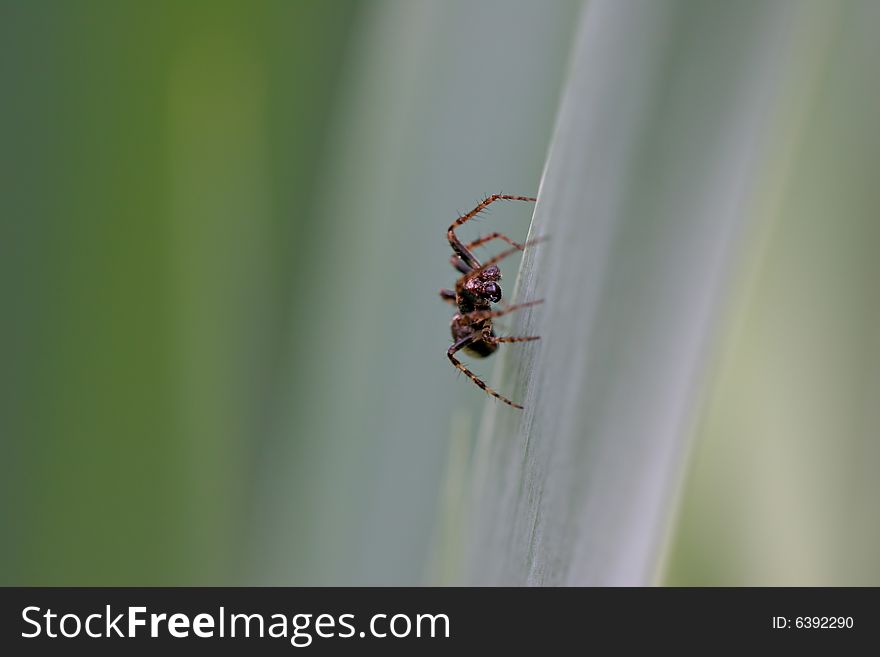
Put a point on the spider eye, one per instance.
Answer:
(493, 291)
(492, 273)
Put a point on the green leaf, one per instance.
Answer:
(661, 143)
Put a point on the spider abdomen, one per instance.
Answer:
(481, 348)
(461, 329)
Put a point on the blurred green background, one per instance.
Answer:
(159, 164)
(222, 236)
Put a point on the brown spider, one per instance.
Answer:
(474, 293)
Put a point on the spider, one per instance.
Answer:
(474, 293)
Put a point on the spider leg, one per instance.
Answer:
(480, 241)
(479, 269)
(479, 315)
(457, 245)
(458, 346)
(460, 264)
(463, 267)
(448, 296)
(496, 340)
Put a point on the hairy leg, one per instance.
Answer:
(479, 269)
(458, 346)
(480, 241)
(457, 245)
(478, 315)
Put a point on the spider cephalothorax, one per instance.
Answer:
(475, 292)
(481, 290)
